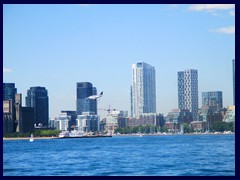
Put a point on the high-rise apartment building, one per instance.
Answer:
(233, 68)
(188, 91)
(213, 100)
(143, 89)
(84, 104)
(37, 97)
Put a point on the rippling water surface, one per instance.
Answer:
(182, 155)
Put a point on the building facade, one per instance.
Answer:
(37, 97)
(143, 89)
(84, 90)
(9, 91)
(213, 100)
(188, 91)
(87, 122)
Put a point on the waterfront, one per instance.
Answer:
(175, 155)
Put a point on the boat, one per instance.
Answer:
(31, 138)
(66, 134)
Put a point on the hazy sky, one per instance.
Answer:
(56, 46)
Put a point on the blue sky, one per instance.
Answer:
(56, 46)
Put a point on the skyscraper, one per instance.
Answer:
(233, 68)
(213, 100)
(84, 90)
(9, 91)
(143, 89)
(188, 91)
(37, 97)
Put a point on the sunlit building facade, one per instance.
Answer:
(143, 90)
(188, 91)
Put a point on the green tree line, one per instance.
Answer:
(36, 133)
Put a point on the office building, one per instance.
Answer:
(9, 91)
(84, 90)
(213, 100)
(143, 89)
(73, 118)
(87, 122)
(37, 97)
(188, 91)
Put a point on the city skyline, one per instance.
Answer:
(98, 44)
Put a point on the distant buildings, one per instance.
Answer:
(87, 122)
(143, 90)
(61, 122)
(84, 90)
(233, 69)
(73, 117)
(230, 114)
(37, 97)
(213, 100)
(188, 91)
(17, 118)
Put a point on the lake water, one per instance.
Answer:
(173, 155)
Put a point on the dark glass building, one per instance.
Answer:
(84, 90)
(37, 97)
(9, 91)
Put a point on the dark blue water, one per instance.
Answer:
(182, 155)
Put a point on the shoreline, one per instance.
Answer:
(39, 138)
(27, 138)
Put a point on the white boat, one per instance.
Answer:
(74, 133)
(31, 138)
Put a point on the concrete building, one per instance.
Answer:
(23, 119)
(87, 122)
(143, 99)
(188, 91)
(8, 119)
(84, 90)
(230, 114)
(37, 98)
(62, 122)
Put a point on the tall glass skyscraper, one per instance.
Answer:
(37, 97)
(84, 90)
(233, 69)
(213, 100)
(9, 91)
(188, 91)
(143, 89)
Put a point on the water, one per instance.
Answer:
(182, 155)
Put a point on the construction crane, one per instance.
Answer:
(108, 110)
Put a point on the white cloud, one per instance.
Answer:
(225, 30)
(6, 70)
(232, 13)
(210, 7)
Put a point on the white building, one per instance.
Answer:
(87, 122)
(188, 91)
(230, 114)
(143, 91)
(61, 122)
